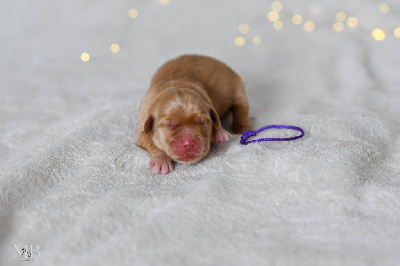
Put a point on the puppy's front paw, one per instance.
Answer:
(161, 165)
(221, 135)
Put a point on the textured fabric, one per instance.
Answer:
(75, 186)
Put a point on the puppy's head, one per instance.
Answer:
(181, 123)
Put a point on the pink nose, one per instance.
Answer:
(188, 144)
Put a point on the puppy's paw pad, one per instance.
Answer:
(221, 135)
(161, 165)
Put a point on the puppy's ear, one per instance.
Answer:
(215, 118)
(148, 126)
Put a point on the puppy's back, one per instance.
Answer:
(218, 79)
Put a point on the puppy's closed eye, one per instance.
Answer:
(171, 124)
(197, 120)
(205, 122)
(201, 121)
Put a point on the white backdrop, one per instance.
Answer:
(75, 186)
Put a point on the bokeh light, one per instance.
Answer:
(297, 19)
(273, 16)
(85, 57)
(244, 28)
(278, 25)
(378, 34)
(276, 6)
(352, 22)
(341, 16)
(256, 40)
(309, 26)
(240, 41)
(384, 8)
(163, 2)
(114, 48)
(338, 26)
(133, 13)
(396, 32)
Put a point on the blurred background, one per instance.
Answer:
(77, 54)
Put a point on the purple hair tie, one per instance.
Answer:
(248, 134)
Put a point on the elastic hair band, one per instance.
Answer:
(249, 134)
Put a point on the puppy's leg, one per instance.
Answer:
(240, 111)
(220, 135)
(160, 163)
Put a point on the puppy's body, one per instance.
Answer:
(180, 114)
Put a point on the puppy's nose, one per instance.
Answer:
(188, 144)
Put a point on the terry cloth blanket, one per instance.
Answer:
(75, 189)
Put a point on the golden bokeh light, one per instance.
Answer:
(338, 26)
(309, 26)
(256, 40)
(276, 6)
(114, 48)
(240, 41)
(85, 57)
(133, 13)
(341, 16)
(297, 19)
(244, 28)
(396, 32)
(352, 22)
(163, 2)
(278, 25)
(273, 16)
(378, 34)
(384, 8)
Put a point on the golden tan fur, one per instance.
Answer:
(183, 106)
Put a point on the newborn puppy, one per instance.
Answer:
(180, 114)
